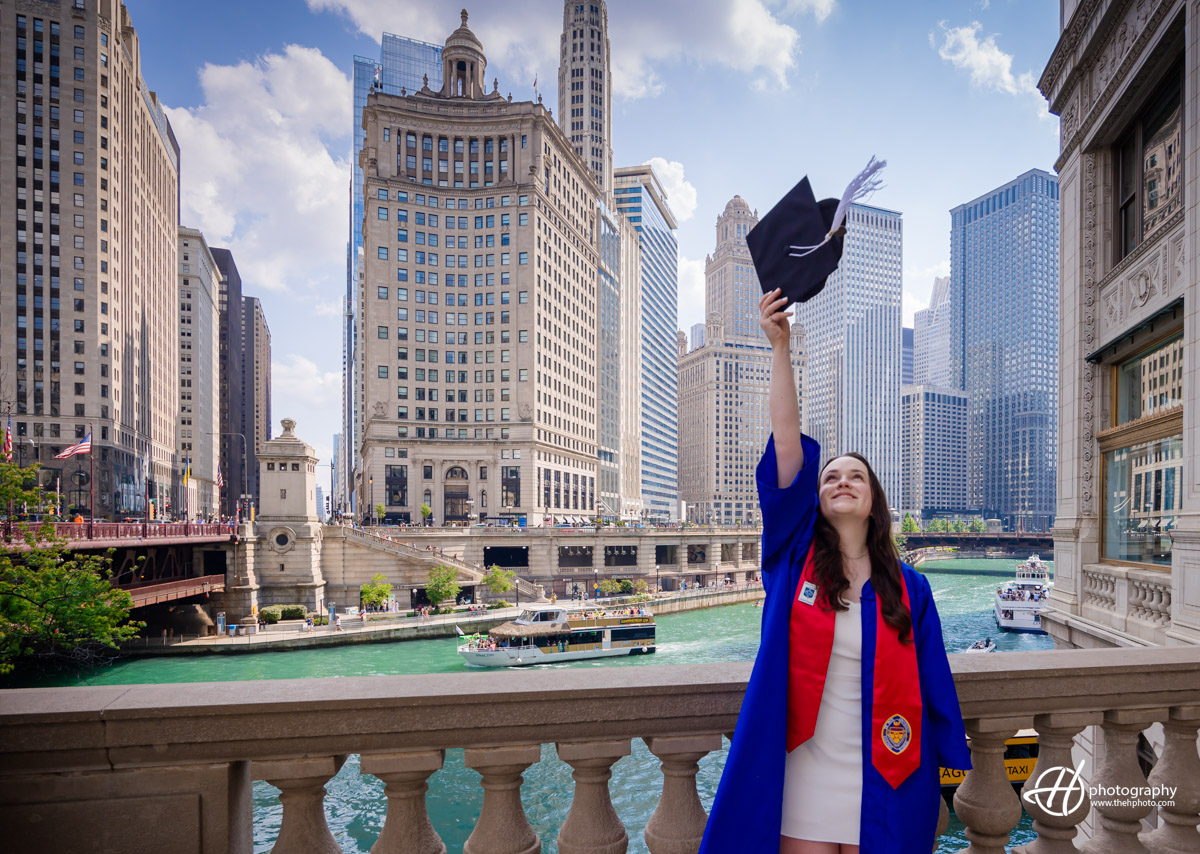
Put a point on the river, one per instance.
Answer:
(355, 804)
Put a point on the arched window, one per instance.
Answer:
(483, 500)
(456, 473)
(428, 498)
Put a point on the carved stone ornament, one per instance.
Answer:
(1145, 283)
(380, 409)
(1088, 369)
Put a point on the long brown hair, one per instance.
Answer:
(887, 579)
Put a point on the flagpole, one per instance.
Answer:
(91, 480)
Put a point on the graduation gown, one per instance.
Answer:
(747, 813)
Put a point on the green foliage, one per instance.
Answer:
(293, 612)
(500, 580)
(443, 584)
(978, 526)
(376, 591)
(641, 587)
(958, 526)
(901, 543)
(625, 586)
(937, 526)
(271, 613)
(909, 525)
(380, 511)
(55, 605)
(609, 586)
(499, 603)
(426, 511)
(58, 606)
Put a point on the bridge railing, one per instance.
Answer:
(169, 767)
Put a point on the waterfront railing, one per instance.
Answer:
(170, 767)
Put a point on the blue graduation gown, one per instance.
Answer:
(747, 813)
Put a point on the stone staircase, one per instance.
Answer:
(468, 572)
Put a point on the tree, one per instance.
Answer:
(426, 512)
(900, 542)
(909, 525)
(60, 606)
(978, 526)
(443, 584)
(380, 510)
(376, 591)
(958, 526)
(500, 580)
(609, 586)
(936, 526)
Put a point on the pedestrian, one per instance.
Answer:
(337, 623)
(804, 765)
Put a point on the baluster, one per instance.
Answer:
(301, 784)
(677, 825)
(592, 825)
(502, 827)
(1179, 767)
(1056, 737)
(1118, 825)
(986, 802)
(407, 828)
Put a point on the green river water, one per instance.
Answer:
(355, 805)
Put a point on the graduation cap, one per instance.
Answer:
(798, 244)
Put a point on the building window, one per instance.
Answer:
(1143, 456)
(1149, 167)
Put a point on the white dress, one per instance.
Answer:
(822, 779)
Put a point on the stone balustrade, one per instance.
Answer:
(169, 767)
(1131, 600)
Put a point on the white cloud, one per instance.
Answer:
(918, 287)
(989, 67)
(520, 38)
(910, 304)
(681, 194)
(301, 390)
(691, 293)
(820, 9)
(258, 177)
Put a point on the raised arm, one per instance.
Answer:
(785, 408)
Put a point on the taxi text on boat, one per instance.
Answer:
(1020, 757)
(550, 633)
(1018, 601)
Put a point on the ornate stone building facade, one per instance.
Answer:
(478, 305)
(1127, 536)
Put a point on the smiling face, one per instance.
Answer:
(845, 489)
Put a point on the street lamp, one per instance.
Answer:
(371, 493)
(657, 583)
(245, 469)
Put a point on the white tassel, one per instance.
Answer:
(864, 184)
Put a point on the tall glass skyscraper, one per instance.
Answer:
(403, 64)
(852, 332)
(641, 199)
(1004, 277)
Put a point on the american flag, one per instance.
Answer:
(84, 447)
(220, 477)
(8, 441)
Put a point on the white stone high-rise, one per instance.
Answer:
(932, 344)
(199, 375)
(585, 87)
(852, 334)
(731, 287)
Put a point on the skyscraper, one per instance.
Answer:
(406, 65)
(585, 87)
(235, 453)
(89, 280)
(643, 202)
(256, 387)
(199, 374)
(906, 355)
(1004, 281)
(933, 450)
(852, 332)
(724, 383)
(479, 305)
(932, 346)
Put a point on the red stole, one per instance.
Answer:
(896, 710)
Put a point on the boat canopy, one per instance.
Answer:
(512, 630)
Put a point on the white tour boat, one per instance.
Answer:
(551, 633)
(1018, 601)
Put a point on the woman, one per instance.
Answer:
(851, 707)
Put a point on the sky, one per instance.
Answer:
(724, 97)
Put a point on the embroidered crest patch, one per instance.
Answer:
(808, 593)
(896, 734)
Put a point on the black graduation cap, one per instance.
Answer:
(798, 244)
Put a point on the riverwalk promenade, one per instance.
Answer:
(383, 627)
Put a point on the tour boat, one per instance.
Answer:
(1018, 601)
(550, 634)
(985, 645)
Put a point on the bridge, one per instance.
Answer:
(154, 562)
(1009, 541)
